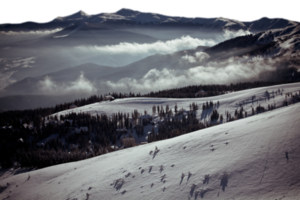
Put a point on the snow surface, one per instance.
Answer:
(228, 102)
(251, 151)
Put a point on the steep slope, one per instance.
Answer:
(244, 159)
(271, 43)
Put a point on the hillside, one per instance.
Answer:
(244, 159)
(228, 102)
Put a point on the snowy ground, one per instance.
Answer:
(228, 102)
(251, 151)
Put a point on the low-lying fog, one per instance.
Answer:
(22, 58)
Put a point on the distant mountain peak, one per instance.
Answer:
(127, 12)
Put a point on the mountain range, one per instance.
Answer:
(110, 51)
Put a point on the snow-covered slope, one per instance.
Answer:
(249, 154)
(228, 102)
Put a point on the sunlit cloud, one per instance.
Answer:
(213, 73)
(146, 49)
(41, 32)
(80, 85)
(197, 57)
(232, 34)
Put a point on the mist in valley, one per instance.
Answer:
(64, 63)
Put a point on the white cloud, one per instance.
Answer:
(214, 73)
(81, 85)
(197, 57)
(232, 34)
(146, 49)
(44, 32)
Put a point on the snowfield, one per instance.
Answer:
(228, 103)
(243, 159)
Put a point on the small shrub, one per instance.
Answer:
(259, 109)
(193, 186)
(224, 176)
(182, 175)
(215, 115)
(161, 168)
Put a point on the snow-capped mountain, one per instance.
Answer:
(141, 45)
(126, 17)
(281, 45)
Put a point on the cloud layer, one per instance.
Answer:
(232, 34)
(116, 55)
(81, 85)
(197, 57)
(170, 46)
(213, 73)
(42, 32)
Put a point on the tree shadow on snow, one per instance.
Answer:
(224, 181)
(192, 190)
(181, 181)
(202, 192)
(189, 177)
(206, 113)
(118, 184)
(154, 154)
(196, 195)
(124, 192)
(2, 188)
(206, 179)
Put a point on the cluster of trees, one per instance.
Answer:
(19, 143)
(177, 124)
(194, 106)
(215, 115)
(239, 114)
(182, 121)
(185, 92)
(209, 90)
(209, 105)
